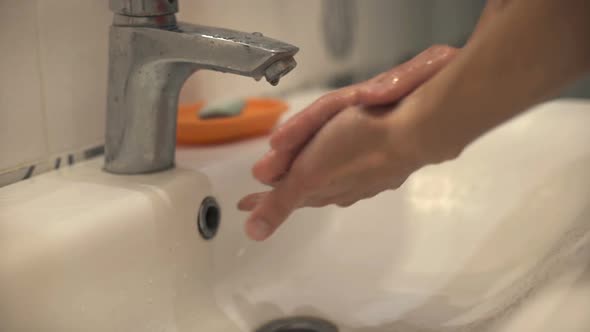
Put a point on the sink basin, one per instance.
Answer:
(454, 247)
(461, 246)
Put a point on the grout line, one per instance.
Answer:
(49, 164)
(42, 78)
(29, 172)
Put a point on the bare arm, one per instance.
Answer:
(291, 138)
(533, 49)
(492, 9)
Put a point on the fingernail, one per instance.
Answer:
(260, 229)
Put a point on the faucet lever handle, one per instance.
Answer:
(144, 8)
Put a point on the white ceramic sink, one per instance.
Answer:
(471, 244)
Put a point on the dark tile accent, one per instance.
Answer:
(93, 152)
(13, 176)
(29, 172)
(46, 165)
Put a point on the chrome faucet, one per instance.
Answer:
(150, 57)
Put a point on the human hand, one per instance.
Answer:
(386, 88)
(359, 153)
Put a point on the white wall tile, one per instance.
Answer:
(22, 136)
(74, 53)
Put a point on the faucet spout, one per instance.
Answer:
(150, 58)
(241, 53)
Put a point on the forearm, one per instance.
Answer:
(492, 9)
(528, 53)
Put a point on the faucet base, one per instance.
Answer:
(150, 58)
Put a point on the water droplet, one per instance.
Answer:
(395, 80)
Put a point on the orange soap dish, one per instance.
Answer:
(257, 118)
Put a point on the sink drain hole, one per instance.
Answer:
(298, 324)
(209, 218)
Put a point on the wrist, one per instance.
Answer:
(427, 135)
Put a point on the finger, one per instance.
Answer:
(325, 98)
(404, 79)
(431, 56)
(300, 128)
(249, 202)
(272, 166)
(289, 139)
(322, 202)
(383, 89)
(337, 193)
(342, 198)
(323, 199)
(353, 198)
(272, 211)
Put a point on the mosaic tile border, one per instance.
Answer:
(60, 161)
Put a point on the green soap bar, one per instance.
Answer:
(223, 109)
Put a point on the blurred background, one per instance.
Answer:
(341, 41)
(54, 58)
